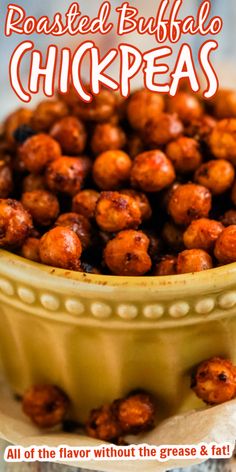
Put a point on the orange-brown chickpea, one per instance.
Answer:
(30, 249)
(161, 130)
(189, 202)
(224, 104)
(85, 202)
(135, 413)
(166, 266)
(225, 247)
(46, 113)
(127, 254)
(61, 247)
(186, 105)
(200, 129)
(15, 223)
(67, 174)
(116, 212)
(38, 151)
(46, 405)
(20, 117)
(184, 154)
(233, 193)
(42, 205)
(79, 224)
(215, 381)
(142, 106)
(216, 175)
(6, 180)
(70, 134)
(111, 169)
(229, 218)
(143, 202)
(173, 236)
(100, 109)
(193, 260)
(152, 171)
(202, 234)
(222, 140)
(33, 182)
(102, 424)
(107, 137)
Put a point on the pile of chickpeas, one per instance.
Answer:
(143, 186)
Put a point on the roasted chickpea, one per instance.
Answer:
(30, 249)
(215, 381)
(161, 130)
(85, 203)
(115, 212)
(184, 154)
(33, 182)
(201, 128)
(70, 134)
(79, 224)
(193, 260)
(46, 113)
(67, 174)
(166, 266)
(186, 105)
(202, 234)
(111, 169)
(42, 205)
(127, 254)
(142, 200)
(217, 176)
(173, 236)
(15, 120)
(143, 106)
(61, 247)
(225, 247)
(6, 180)
(152, 171)
(107, 137)
(135, 413)
(46, 405)
(38, 151)
(224, 104)
(229, 218)
(100, 109)
(189, 202)
(15, 223)
(222, 140)
(102, 424)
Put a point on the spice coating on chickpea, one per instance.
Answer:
(116, 212)
(189, 202)
(217, 176)
(142, 200)
(20, 117)
(222, 140)
(107, 137)
(127, 254)
(167, 266)
(85, 202)
(202, 234)
(70, 134)
(111, 169)
(79, 224)
(47, 112)
(33, 182)
(142, 106)
(201, 128)
(102, 424)
(67, 174)
(135, 413)
(184, 154)
(61, 247)
(6, 180)
(161, 130)
(152, 171)
(46, 405)
(15, 223)
(100, 109)
(36, 152)
(186, 105)
(193, 260)
(42, 205)
(225, 247)
(215, 381)
(30, 249)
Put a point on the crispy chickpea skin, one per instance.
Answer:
(46, 113)
(222, 140)
(166, 266)
(201, 128)
(116, 212)
(61, 247)
(215, 381)
(46, 405)
(112, 169)
(162, 129)
(30, 249)
(79, 224)
(224, 104)
(100, 109)
(33, 182)
(186, 105)
(173, 236)
(67, 174)
(6, 180)
(135, 413)
(127, 254)
(216, 175)
(70, 134)
(142, 200)
(15, 223)
(85, 202)
(152, 171)
(42, 205)
(20, 117)
(107, 137)
(38, 151)
(144, 105)
(102, 424)
(202, 234)
(229, 218)
(193, 260)
(189, 202)
(184, 154)
(225, 247)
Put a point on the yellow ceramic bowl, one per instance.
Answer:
(99, 337)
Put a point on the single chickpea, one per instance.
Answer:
(143, 106)
(38, 151)
(107, 137)
(152, 171)
(135, 413)
(15, 223)
(173, 236)
(127, 254)
(71, 134)
(142, 200)
(79, 224)
(61, 247)
(193, 260)
(216, 175)
(224, 104)
(30, 249)
(46, 405)
(189, 202)
(6, 180)
(186, 105)
(67, 174)
(20, 117)
(162, 129)
(202, 234)
(222, 140)
(47, 113)
(215, 381)
(102, 424)
(111, 169)
(85, 202)
(225, 247)
(42, 205)
(229, 218)
(184, 154)
(200, 129)
(100, 109)
(166, 266)
(33, 182)
(116, 212)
